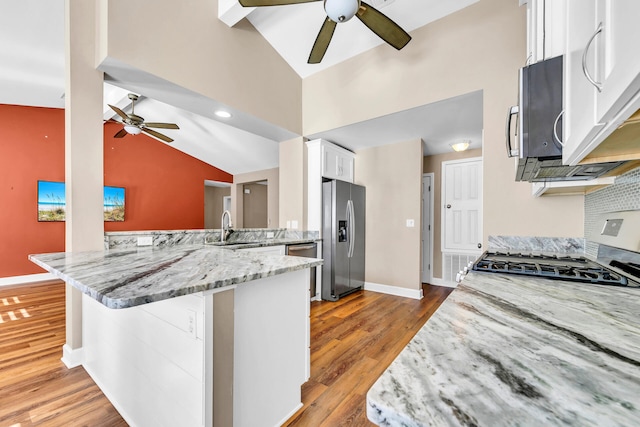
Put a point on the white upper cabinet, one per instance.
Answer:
(618, 55)
(579, 121)
(324, 160)
(602, 71)
(337, 163)
(545, 29)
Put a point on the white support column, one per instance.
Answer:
(83, 154)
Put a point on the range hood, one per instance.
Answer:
(539, 129)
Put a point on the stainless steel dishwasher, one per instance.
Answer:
(306, 250)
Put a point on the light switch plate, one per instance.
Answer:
(411, 223)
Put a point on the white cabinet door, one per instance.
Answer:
(337, 163)
(618, 57)
(579, 121)
(602, 70)
(546, 24)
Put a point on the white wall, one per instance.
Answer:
(392, 175)
(478, 48)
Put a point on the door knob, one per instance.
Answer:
(479, 245)
(448, 206)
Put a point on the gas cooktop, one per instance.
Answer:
(561, 267)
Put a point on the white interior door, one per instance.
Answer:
(462, 205)
(427, 232)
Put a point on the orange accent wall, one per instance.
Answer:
(164, 188)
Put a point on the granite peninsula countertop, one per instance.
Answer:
(123, 278)
(507, 350)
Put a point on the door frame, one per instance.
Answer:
(429, 278)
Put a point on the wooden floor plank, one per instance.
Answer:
(353, 340)
(36, 389)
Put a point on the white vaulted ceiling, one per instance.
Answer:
(32, 73)
(292, 29)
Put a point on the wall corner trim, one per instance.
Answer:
(72, 357)
(393, 290)
(28, 278)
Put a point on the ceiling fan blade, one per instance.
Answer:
(157, 134)
(119, 111)
(384, 27)
(161, 125)
(322, 41)
(121, 133)
(253, 3)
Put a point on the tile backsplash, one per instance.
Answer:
(623, 195)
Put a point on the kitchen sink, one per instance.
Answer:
(232, 243)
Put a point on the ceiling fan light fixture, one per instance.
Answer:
(341, 10)
(461, 146)
(223, 114)
(132, 130)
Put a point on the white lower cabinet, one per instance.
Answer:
(158, 366)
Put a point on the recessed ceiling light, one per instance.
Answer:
(223, 114)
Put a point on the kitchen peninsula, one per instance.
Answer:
(150, 323)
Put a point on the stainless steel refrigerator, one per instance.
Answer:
(343, 221)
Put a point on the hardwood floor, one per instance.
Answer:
(35, 386)
(352, 343)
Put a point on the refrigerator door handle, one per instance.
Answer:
(352, 228)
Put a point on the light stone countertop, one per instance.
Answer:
(508, 350)
(128, 277)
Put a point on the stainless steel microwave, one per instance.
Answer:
(539, 128)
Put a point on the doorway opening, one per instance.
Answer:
(217, 199)
(461, 214)
(255, 208)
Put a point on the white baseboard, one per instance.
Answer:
(393, 290)
(28, 278)
(441, 282)
(72, 357)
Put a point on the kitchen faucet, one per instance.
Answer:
(224, 233)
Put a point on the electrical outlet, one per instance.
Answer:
(288, 224)
(270, 234)
(411, 223)
(294, 224)
(145, 241)
(191, 323)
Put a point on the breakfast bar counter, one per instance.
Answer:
(123, 278)
(507, 350)
(193, 335)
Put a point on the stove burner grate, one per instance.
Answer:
(578, 269)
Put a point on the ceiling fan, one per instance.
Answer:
(341, 11)
(134, 124)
